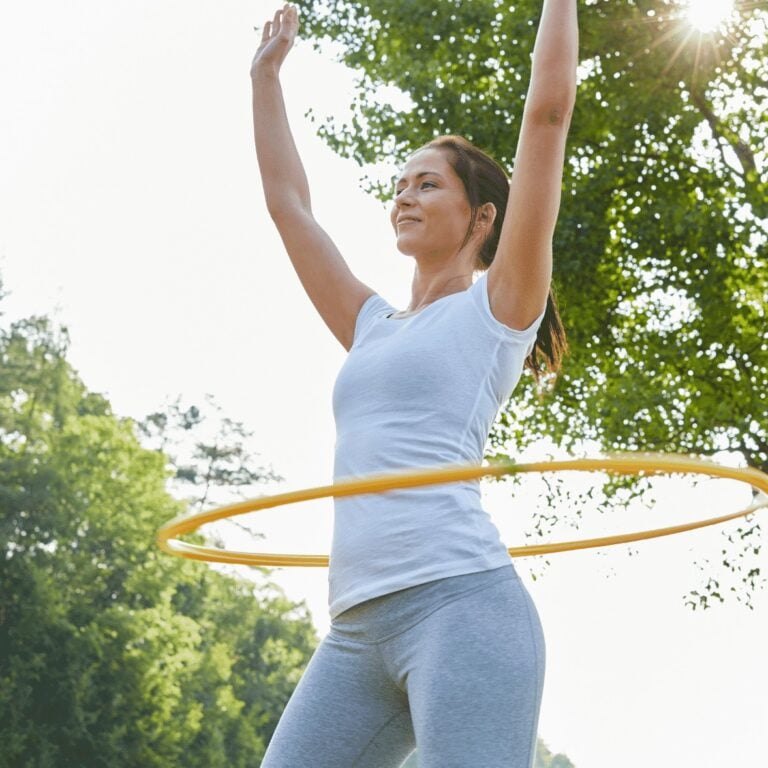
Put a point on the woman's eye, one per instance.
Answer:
(423, 185)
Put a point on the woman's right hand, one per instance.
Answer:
(276, 40)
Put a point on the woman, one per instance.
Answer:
(434, 641)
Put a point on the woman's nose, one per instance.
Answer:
(404, 199)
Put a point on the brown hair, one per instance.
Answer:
(486, 182)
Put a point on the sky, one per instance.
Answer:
(131, 212)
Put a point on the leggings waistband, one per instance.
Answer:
(381, 618)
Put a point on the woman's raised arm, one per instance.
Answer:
(520, 275)
(336, 293)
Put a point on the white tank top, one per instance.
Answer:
(414, 392)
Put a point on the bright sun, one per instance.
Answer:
(709, 15)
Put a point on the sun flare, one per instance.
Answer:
(709, 15)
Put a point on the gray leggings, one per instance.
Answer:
(455, 666)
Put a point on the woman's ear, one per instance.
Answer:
(486, 215)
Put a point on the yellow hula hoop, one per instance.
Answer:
(622, 464)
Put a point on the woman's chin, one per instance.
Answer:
(406, 248)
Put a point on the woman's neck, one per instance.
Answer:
(429, 286)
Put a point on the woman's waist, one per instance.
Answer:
(363, 453)
(412, 526)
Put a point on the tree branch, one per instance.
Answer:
(722, 133)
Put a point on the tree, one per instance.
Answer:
(545, 759)
(111, 652)
(223, 460)
(215, 466)
(660, 250)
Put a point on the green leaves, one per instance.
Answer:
(112, 653)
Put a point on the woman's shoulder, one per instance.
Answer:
(482, 302)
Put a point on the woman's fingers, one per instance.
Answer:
(291, 18)
(284, 20)
(277, 36)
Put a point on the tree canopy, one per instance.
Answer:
(660, 249)
(111, 652)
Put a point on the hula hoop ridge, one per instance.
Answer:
(624, 464)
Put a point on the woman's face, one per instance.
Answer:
(430, 212)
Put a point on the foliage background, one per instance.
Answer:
(111, 652)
